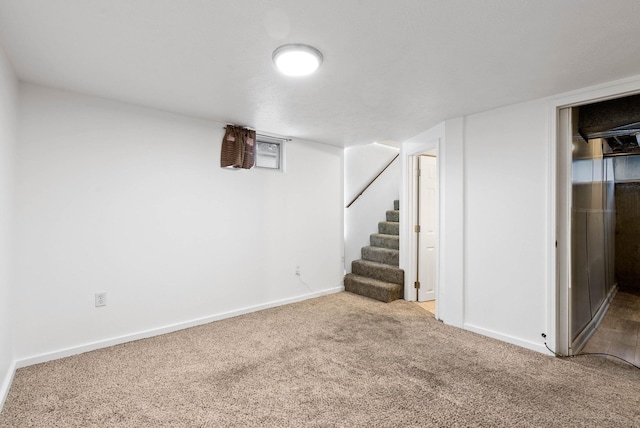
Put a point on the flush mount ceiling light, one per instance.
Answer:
(297, 59)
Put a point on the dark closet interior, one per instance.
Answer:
(615, 126)
(605, 216)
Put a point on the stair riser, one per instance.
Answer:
(353, 285)
(381, 255)
(389, 228)
(393, 216)
(396, 205)
(385, 241)
(382, 272)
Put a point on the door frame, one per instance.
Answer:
(409, 216)
(559, 206)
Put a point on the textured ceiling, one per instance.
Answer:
(391, 69)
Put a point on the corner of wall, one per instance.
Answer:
(8, 123)
(5, 386)
(150, 192)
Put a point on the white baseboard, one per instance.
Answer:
(6, 384)
(67, 352)
(539, 347)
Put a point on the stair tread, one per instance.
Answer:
(392, 215)
(374, 282)
(381, 240)
(381, 271)
(382, 249)
(376, 264)
(373, 288)
(384, 255)
(389, 227)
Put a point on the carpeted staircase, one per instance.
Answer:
(377, 275)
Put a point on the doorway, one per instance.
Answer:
(427, 233)
(597, 144)
(425, 228)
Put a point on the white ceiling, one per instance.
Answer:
(391, 69)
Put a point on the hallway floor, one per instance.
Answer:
(429, 306)
(619, 332)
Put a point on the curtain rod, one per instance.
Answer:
(259, 134)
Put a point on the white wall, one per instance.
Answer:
(8, 91)
(494, 222)
(131, 201)
(452, 247)
(506, 230)
(447, 138)
(361, 165)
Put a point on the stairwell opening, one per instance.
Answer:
(381, 273)
(377, 274)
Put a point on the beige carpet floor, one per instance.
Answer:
(336, 361)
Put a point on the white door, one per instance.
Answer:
(428, 220)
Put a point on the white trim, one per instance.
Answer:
(558, 296)
(556, 315)
(509, 339)
(606, 91)
(464, 303)
(74, 350)
(552, 288)
(6, 384)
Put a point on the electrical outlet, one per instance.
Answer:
(101, 299)
(298, 270)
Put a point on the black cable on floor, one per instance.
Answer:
(595, 354)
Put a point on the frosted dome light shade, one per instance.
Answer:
(297, 59)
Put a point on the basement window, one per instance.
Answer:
(268, 154)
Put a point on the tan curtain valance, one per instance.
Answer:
(238, 147)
